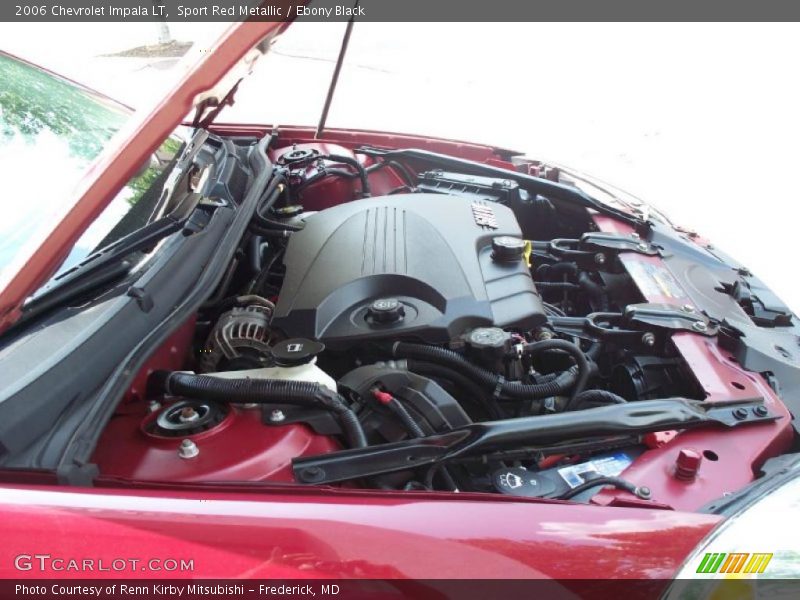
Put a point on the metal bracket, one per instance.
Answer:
(616, 243)
(641, 324)
(594, 249)
(669, 317)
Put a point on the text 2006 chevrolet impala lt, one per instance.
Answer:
(285, 352)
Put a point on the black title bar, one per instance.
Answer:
(397, 10)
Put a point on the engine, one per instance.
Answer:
(423, 266)
(389, 324)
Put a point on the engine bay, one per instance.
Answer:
(406, 321)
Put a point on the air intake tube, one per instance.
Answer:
(261, 391)
(574, 379)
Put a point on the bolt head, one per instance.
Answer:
(687, 308)
(740, 413)
(188, 449)
(699, 326)
(648, 339)
(760, 411)
(312, 474)
(277, 416)
(643, 247)
(600, 258)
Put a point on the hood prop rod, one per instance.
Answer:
(335, 77)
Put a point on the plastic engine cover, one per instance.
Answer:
(431, 253)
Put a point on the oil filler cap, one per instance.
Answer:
(506, 248)
(386, 310)
(296, 351)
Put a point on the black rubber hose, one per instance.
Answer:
(406, 175)
(261, 391)
(556, 285)
(617, 482)
(463, 383)
(255, 254)
(362, 172)
(321, 175)
(410, 425)
(272, 192)
(559, 269)
(596, 397)
(584, 370)
(272, 233)
(486, 379)
(595, 292)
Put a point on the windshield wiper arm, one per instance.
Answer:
(99, 268)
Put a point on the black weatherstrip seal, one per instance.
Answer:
(78, 452)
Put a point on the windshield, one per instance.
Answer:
(50, 130)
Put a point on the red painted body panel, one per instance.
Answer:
(240, 448)
(369, 535)
(730, 456)
(334, 190)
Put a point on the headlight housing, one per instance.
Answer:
(751, 554)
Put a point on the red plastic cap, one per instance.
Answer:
(382, 397)
(688, 463)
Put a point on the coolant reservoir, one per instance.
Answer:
(296, 360)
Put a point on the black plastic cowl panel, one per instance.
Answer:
(432, 252)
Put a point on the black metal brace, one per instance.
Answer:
(540, 431)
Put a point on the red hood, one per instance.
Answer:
(211, 76)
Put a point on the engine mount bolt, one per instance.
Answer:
(648, 339)
(188, 449)
(687, 464)
(600, 258)
(277, 416)
(760, 411)
(643, 492)
(740, 413)
(687, 308)
(643, 247)
(699, 326)
(635, 235)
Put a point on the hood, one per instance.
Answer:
(206, 84)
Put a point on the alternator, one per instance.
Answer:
(240, 339)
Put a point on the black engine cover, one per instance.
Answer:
(431, 252)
